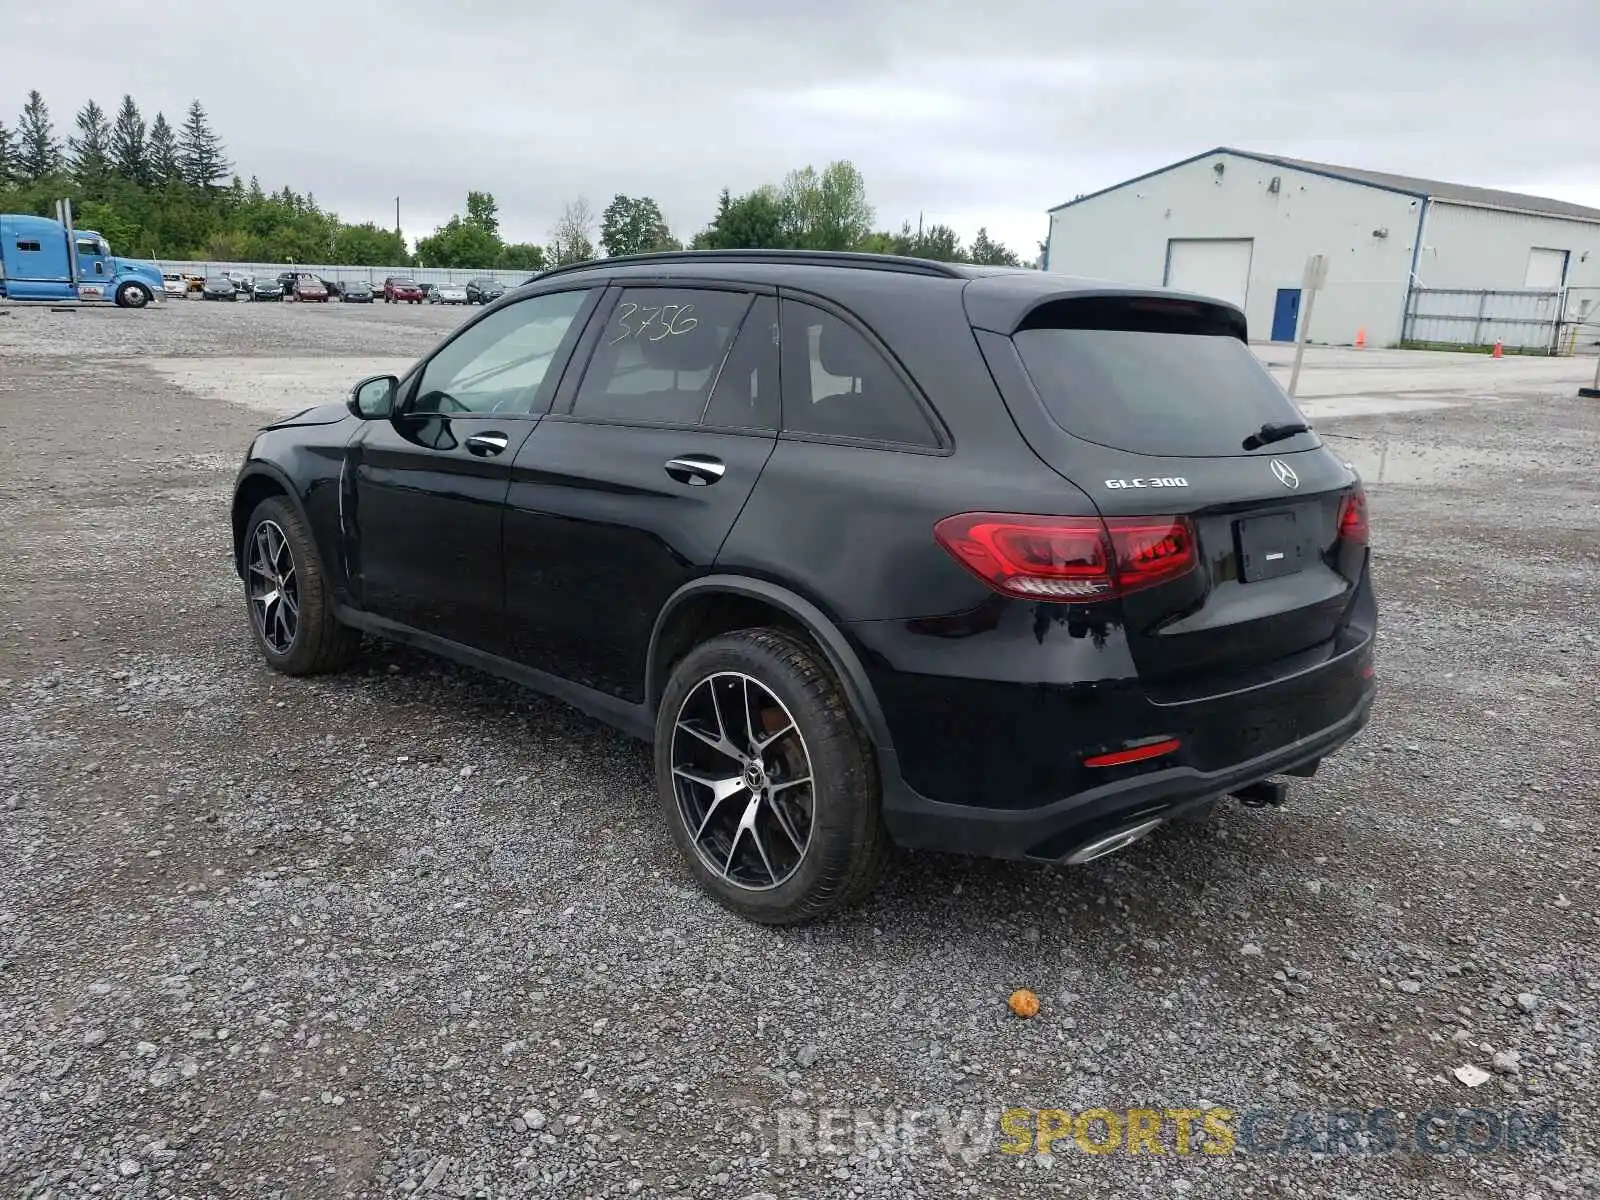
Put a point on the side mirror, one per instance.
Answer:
(373, 399)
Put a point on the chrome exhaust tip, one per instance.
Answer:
(1111, 842)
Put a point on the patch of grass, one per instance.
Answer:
(1455, 348)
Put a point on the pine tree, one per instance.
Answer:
(200, 158)
(8, 156)
(40, 153)
(129, 157)
(91, 148)
(161, 153)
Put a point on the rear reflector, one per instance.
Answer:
(1073, 559)
(1121, 758)
(1353, 515)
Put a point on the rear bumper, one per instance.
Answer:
(1051, 831)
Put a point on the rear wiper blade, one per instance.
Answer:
(1274, 431)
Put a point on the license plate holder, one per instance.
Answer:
(1270, 546)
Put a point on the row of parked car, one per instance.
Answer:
(306, 286)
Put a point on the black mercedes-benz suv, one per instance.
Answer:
(874, 550)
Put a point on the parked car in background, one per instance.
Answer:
(398, 289)
(309, 287)
(430, 292)
(449, 293)
(267, 289)
(484, 290)
(172, 283)
(357, 291)
(244, 284)
(1101, 572)
(195, 283)
(334, 288)
(218, 287)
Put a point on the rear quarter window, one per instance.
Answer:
(1152, 377)
(836, 384)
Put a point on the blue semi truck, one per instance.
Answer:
(41, 259)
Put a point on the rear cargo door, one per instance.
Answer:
(1157, 407)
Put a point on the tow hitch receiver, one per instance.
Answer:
(1269, 793)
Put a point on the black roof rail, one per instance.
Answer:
(800, 258)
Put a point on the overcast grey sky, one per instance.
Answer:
(971, 113)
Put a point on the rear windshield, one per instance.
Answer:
(1155, 388)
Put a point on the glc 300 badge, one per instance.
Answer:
(1163, 481)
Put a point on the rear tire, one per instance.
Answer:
(286, 592)
(764, 842)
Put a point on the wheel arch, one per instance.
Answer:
(721, 603)
(257, 482)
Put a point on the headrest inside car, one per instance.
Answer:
(843, 351)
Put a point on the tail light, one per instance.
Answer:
(1069, 558)
(1353, 516)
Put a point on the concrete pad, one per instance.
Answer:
(274, 386)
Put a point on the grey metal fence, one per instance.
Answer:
(336, 273)
(1518, 320)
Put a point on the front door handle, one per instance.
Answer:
(487, 445)
(697, 470)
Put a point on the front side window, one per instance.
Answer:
(837, 384)
(660, 354)
(501, 364)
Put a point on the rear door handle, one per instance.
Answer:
(697, 470)
(487, 445)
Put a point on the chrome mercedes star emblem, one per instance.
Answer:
(1285, 473)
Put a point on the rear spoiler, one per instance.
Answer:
(1007, 304)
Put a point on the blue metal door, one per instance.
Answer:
(1286, 315)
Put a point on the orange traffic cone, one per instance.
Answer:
(1497, 351)
(1361, 339)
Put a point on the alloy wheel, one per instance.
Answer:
(741, 775)
(273, 587)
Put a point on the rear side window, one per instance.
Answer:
(659, 355)
(29, 247)
(1152, 377)
(837, 384)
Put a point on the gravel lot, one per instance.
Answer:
(412, 931)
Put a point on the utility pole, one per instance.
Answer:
(397, 232)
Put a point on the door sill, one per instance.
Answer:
(635, 720)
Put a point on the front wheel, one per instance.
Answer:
(133, 295)
(766, 780)
(291, 609)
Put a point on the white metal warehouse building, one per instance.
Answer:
(1408, 259)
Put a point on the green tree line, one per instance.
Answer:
(155, 191)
